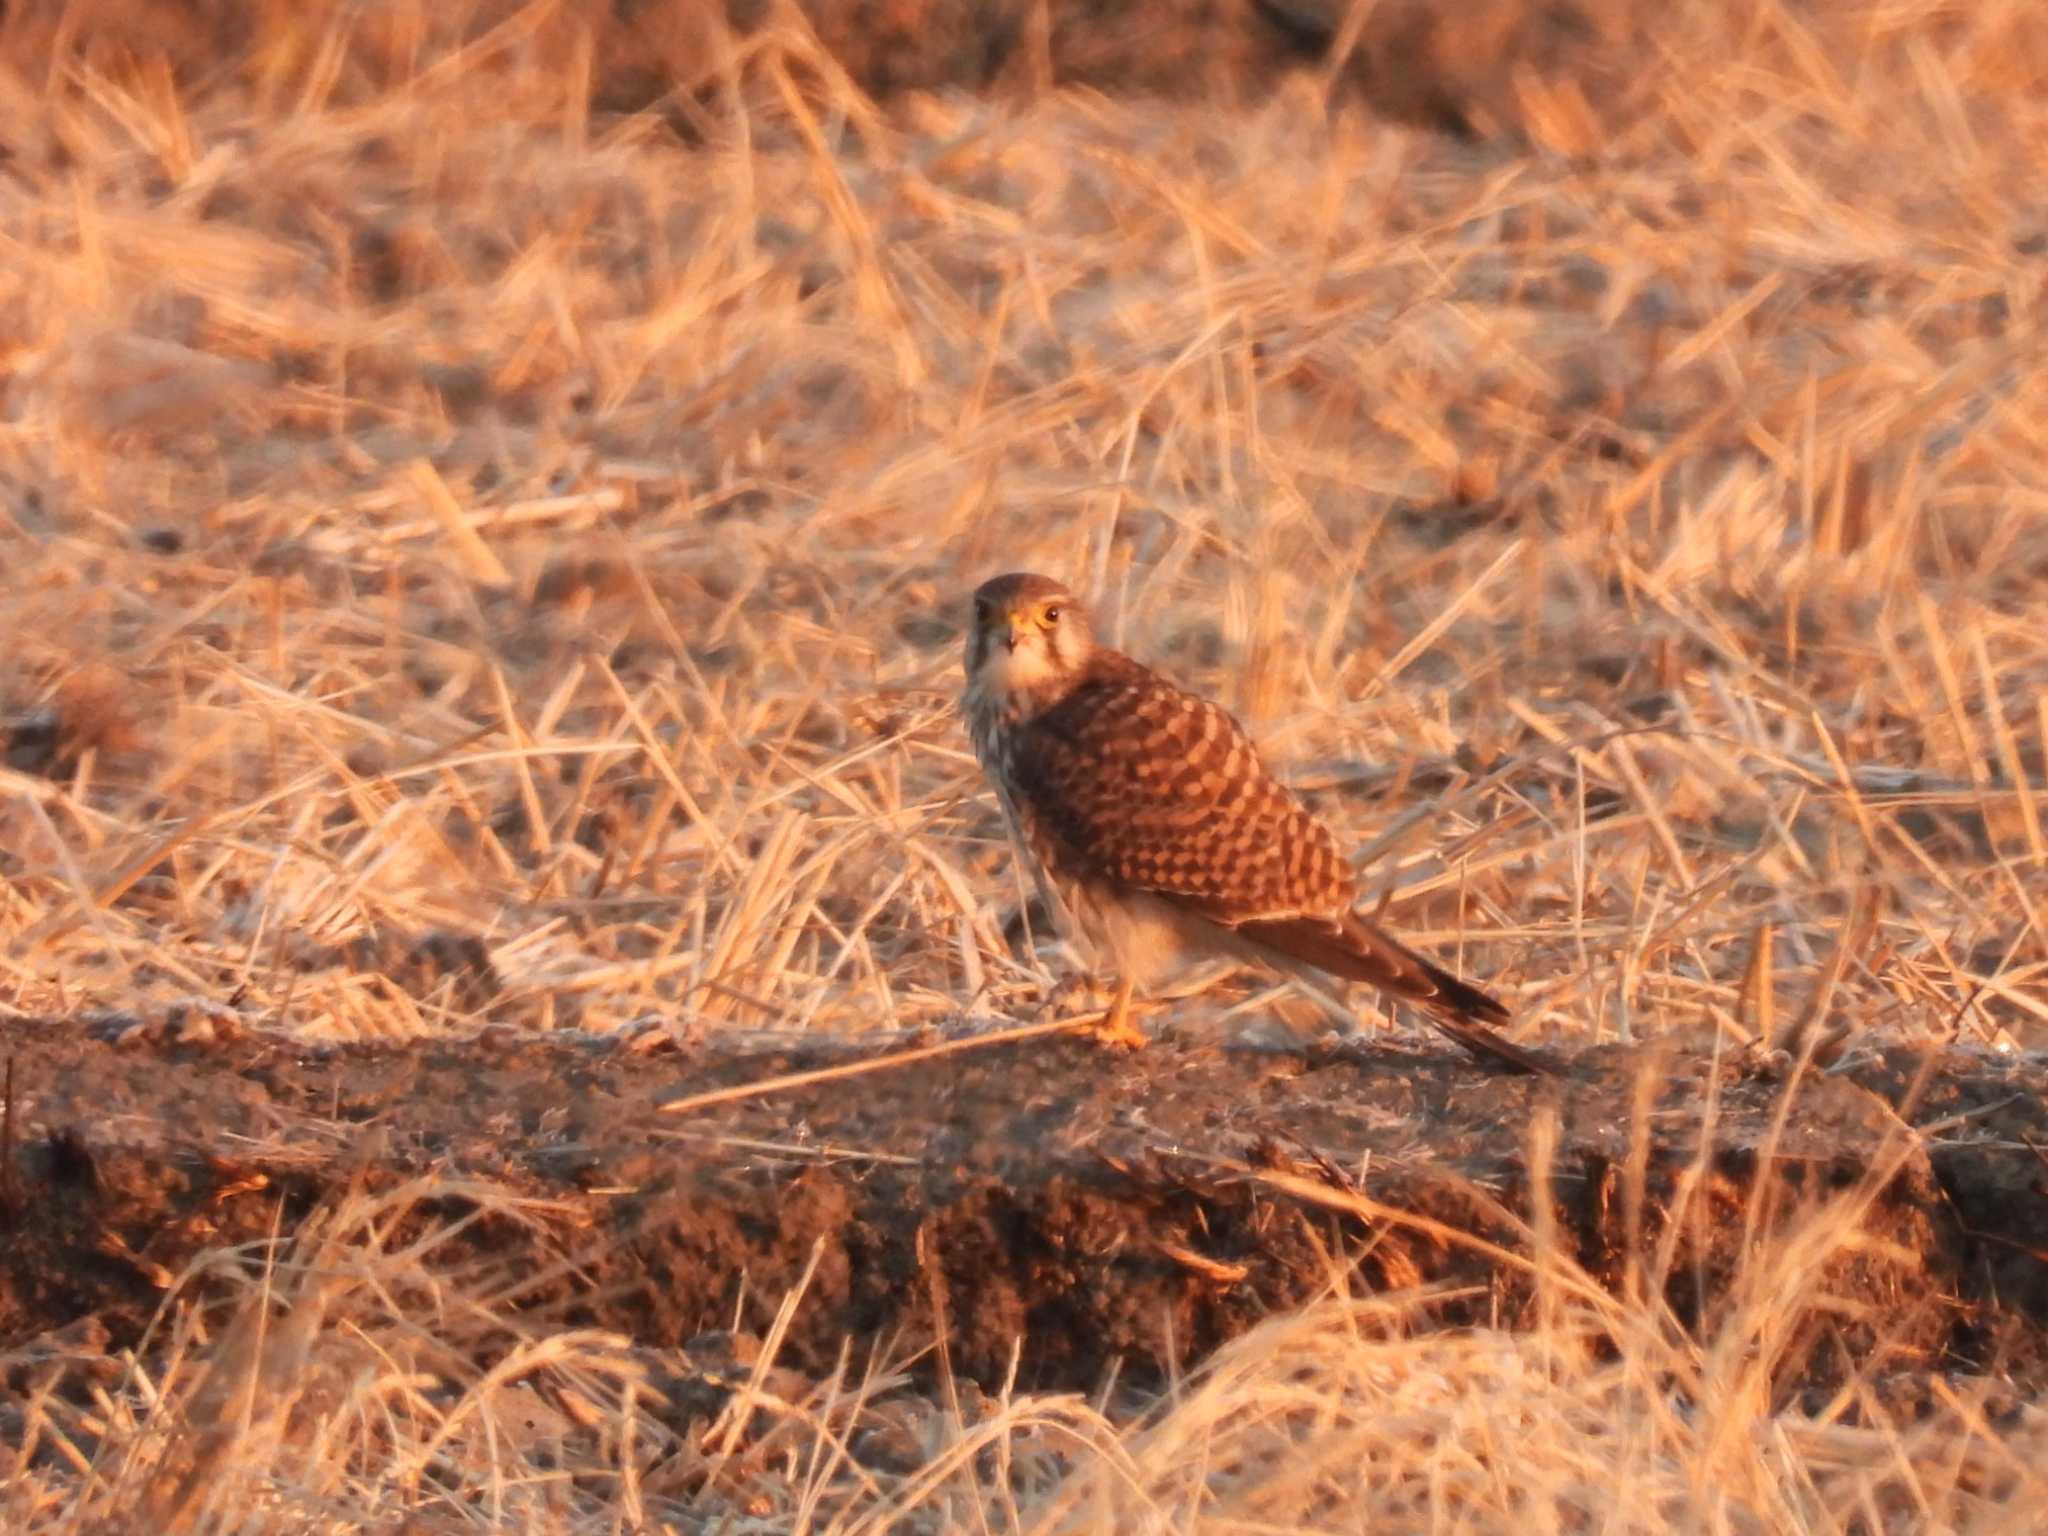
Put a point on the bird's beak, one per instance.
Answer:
(1019, 627)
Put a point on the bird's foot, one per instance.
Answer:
(1117, 1029)
(1120, 1032)
(1103, 1013)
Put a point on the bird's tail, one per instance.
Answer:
(1353, 948)
(1463, 1013)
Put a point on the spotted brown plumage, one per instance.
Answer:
(1155, 832)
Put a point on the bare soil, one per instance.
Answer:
(1136, 1210)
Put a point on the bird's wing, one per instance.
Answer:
(1132, 780)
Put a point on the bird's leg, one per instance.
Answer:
(1104, 1013)
(1116, 1027)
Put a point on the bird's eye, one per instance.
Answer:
(981, 613)
(1052, 614)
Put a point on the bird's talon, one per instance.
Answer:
(1119, 1034)
(1116, 1028)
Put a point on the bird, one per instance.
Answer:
(1156, 835)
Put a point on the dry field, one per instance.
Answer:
(486, 497)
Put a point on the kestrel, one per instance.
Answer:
(1157, 836)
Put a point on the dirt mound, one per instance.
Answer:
(1137, 1210)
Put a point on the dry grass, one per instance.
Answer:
(348, 1381)
(429, 505)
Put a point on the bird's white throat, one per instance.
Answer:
(1025, 670)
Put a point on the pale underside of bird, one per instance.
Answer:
(1155, 833)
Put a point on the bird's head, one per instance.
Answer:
(1029, 634)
